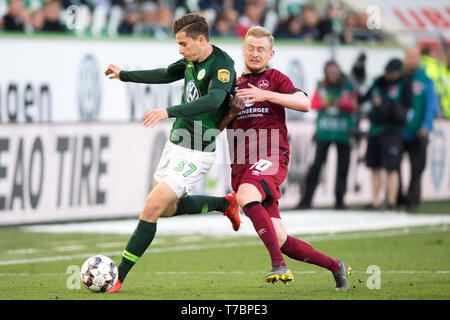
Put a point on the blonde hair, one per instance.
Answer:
(260, 32)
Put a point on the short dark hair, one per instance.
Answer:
(193, 24)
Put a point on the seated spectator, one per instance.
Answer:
(253, 16)
(290, 29)
(132, 17)
(149, 19)
(36, 21)
(333, 21)
(165, 20)
(233, 16)
(222, 27)
(14, 19)
(355, 29)
(350, 27)
(310, 26)
(52, 23)
(215, 5)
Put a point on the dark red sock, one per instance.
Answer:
(299, 250)
(266, 232)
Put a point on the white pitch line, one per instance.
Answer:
(302, 272)
(357, 235)
(235, 272)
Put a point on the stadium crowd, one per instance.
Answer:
(296, 19)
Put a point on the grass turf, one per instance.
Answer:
(414, 264)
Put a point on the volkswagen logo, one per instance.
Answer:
(89, 89)
(437, 155)
(191, 92)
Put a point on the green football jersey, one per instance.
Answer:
(216, 72)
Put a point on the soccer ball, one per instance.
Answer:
(99, 273)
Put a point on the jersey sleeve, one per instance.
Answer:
(285, 84)
(172, 73)
(177, 69)
(223, 75)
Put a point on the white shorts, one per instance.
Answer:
(182, 168)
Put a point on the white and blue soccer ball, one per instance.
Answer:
(99, 273)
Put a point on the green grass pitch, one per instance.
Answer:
(414, 264)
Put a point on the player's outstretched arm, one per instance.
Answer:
(172, 73)
(296, 101)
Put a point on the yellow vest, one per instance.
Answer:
(440, 74)
(445, 98)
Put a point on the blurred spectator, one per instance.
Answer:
(355, 29)
(351, 27)
(132, 17)
(253, 16)
(36, 21)
(14, 19)
(290, 29)
(445, 100)
(52, 23)
(233, 16)
(226, 18)
(165, 20)
(215, 5)
(222, 27)
(310, 27)
(335, 101)
(437, 71)
(419, 125)
(149, 19)
(390, 95)
(332, 23)
(90, 3)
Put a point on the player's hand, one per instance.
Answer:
(252, 94)
(153, 117)
(422, 133)
(236, 105)
(377, 101)
(112, 72)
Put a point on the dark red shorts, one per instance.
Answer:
(267, 181)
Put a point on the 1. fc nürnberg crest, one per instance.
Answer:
(191, 92)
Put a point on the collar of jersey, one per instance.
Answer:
(254, 74)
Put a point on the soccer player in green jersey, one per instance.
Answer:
(209, 80)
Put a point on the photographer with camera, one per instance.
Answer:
(390, 96)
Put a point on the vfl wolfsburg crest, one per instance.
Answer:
(201, 74)
(191, 92)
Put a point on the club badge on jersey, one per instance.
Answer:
(191, 92)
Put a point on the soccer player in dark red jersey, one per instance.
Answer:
(260, 146)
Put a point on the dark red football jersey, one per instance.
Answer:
(259, 131)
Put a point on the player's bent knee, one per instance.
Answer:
(151, 211)
(247, 193)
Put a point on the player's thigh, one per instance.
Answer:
(247, 193)
(159, 202)
(280, 230)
